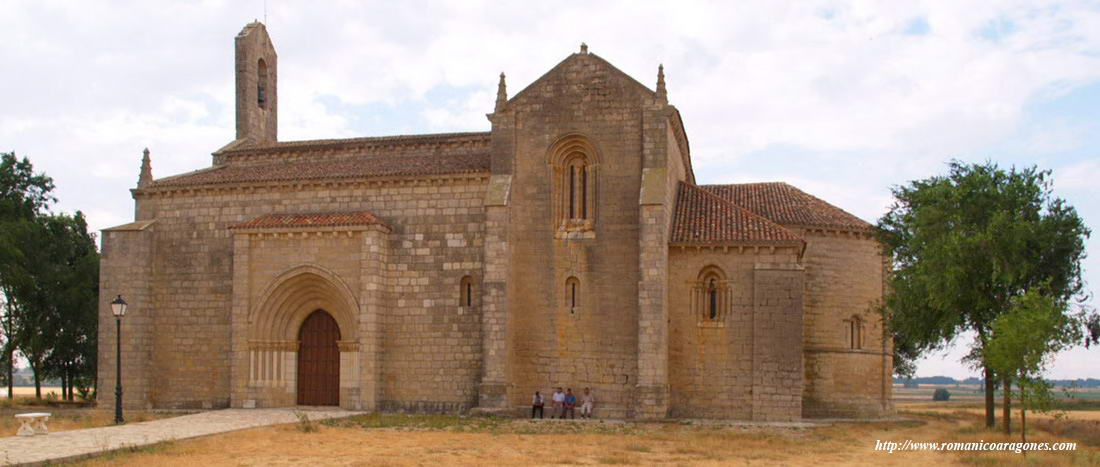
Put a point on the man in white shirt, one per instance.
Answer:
(559, 404)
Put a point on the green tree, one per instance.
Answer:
(54, 282)
(73, 295)
(965, 245)
(24, 195)
(1024, 340)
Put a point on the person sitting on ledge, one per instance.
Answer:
(536, 405)
(570, 403)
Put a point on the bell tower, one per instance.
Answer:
(257, 73)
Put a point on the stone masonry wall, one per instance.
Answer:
(597, 344)
(844, 277)
(777, 338)
(126, 269)
(426, 337)
(711, 365)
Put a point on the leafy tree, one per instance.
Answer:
(73, 304)
(49, 276)
(24, 195)
(965, 245)
(1024, 340)
(941, 394)
(55, 282)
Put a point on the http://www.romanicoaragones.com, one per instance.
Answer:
(981, 445)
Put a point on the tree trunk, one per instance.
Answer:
(1023, 411)
(1007, 413)
(11, 370)
(64, 386)
(37, 383)
(11, 354)
(990, 386)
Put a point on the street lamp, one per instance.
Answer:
(118, 308)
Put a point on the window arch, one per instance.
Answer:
(261, 84)
(711, 296)
(854, 332)
(572, 294)
(574, 161)
(466, 292)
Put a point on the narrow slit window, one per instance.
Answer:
(584, 192)
(572, 192)
(855, 333)
(572, 289)
(712, 293)
(466, 292)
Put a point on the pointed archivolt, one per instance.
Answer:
(293, 296)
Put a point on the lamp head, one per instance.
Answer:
(118, 307)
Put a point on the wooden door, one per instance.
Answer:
(319, 361)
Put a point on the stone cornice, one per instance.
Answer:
(739, 248)
(251, 187)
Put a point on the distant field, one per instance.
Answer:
(29, 390)
(964, 393)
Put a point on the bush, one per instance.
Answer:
(305, 425)
(941, 394)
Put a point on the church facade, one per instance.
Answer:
(568, 246)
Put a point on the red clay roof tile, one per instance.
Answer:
(360, 167)
(316, 219)
(787, 205)
(704, 218)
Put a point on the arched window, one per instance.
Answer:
(855, 332)
(710, 300)
(466, 292)
(574, 160)
(261, 84)
(572, 294)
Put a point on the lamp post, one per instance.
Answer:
(118, 308)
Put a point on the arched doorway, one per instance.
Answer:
(318, 360)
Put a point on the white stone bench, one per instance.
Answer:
(33, 423)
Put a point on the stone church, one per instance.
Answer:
(569, 245)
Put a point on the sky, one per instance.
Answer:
(842, 99)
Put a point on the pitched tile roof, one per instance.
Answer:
(245, 147)
(787, 205)
(702, 217)
(360, 167)
(305, 220)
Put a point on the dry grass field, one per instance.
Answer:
(63, 418)
(396, 440)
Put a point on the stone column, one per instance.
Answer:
(493, 390)
(655, 203)
(372, 304)
(240, 363)
(653, 388)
